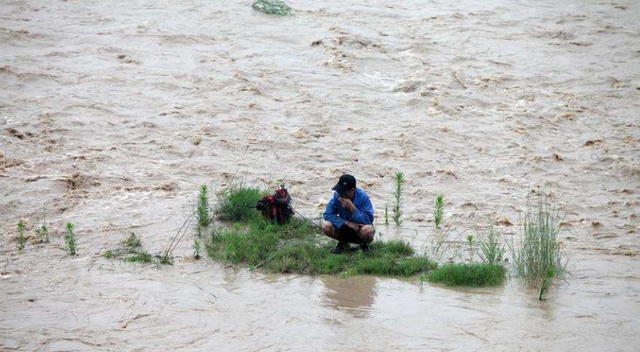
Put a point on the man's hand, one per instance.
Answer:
(352, 225)
(347, 203)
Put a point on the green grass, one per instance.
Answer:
(468, 274)
(234, 204)
(538, 258)
(298, 248)
(397, 196)
(272, 7)
(70, 239)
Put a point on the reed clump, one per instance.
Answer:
(538, 258)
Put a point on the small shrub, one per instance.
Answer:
(70, 239)
(21, 239)
(235, 204)
(109, 254)
(397, 195)
(438, 211)
(272, 7)
(203, 207)
(468, 274)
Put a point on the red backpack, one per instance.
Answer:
(276, 207)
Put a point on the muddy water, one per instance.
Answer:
(112, 113)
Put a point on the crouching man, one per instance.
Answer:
(349, 216)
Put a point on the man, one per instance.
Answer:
(349, 216)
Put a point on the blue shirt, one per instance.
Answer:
(337, 214)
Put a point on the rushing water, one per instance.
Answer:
(112, 114)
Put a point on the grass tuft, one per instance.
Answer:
(538, 257)
(272, 7)
(235, 204)
(297, 248)
(397, 195)
(70, 239)
(468, 274)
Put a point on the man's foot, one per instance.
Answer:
(339, 248)
(365, 248)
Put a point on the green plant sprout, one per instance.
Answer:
(397, 195)
(438, 211)
(70, 239)
(203, 207)
(21, 239)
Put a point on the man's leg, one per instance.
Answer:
(366, 233)
(329, 230)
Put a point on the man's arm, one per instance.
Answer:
(364, 214)
(331, 213)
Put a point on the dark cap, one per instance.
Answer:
(346, 182)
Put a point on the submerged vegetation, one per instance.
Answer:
(468, 274)
(272, 7)
(131, 251)
(538, 258)
(21, 239)
(42, 233)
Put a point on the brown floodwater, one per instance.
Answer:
(112, 113)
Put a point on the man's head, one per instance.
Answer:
(346, 186)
